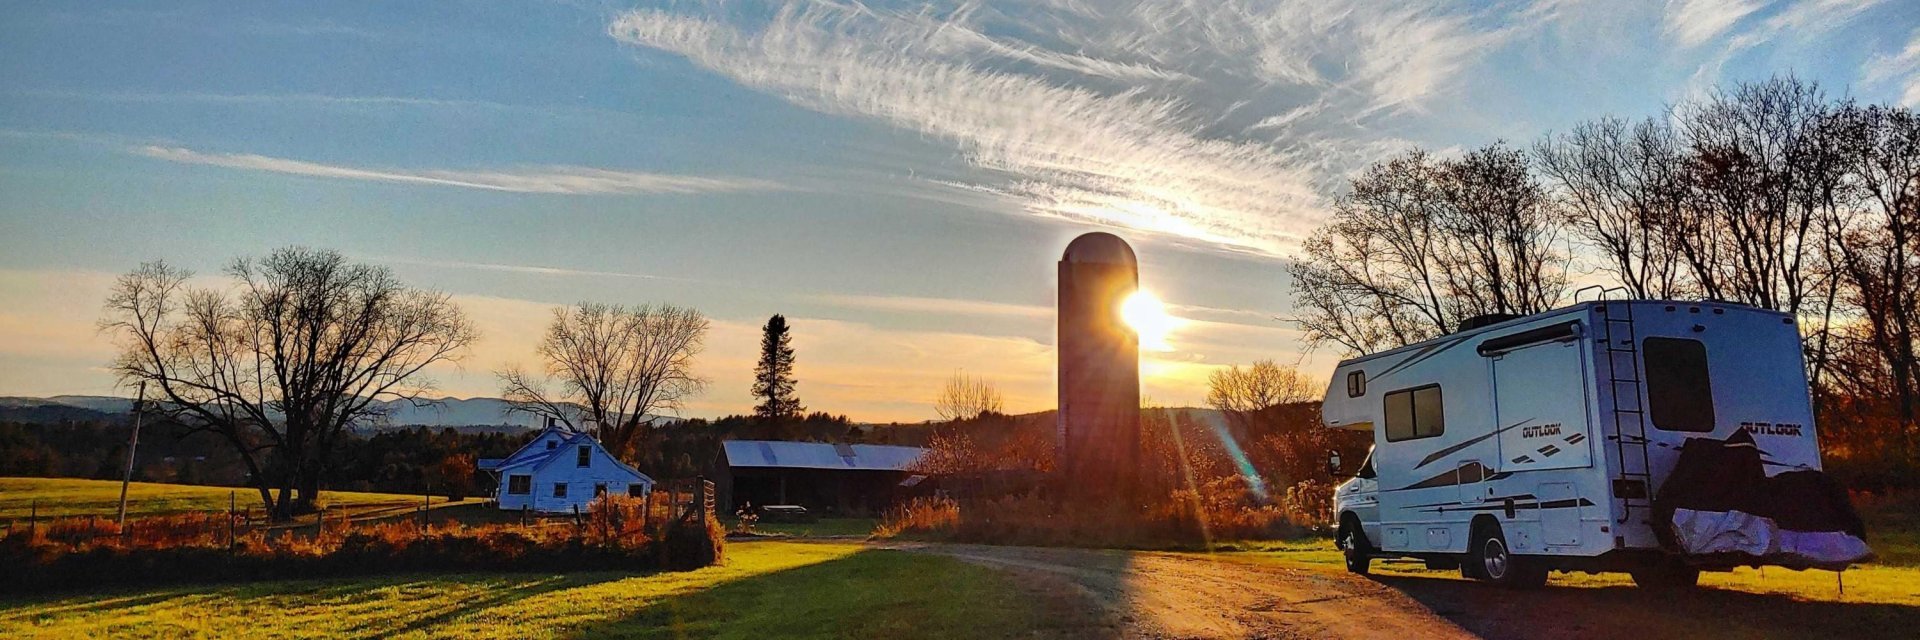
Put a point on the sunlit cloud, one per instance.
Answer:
(933, 306)
(546, 180)
(1205, 121)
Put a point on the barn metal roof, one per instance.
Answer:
(820, 455)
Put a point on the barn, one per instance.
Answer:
(559, 471)
(824, 477)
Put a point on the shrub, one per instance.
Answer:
(77, 552)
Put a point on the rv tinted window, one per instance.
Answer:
(1356, 384)
(1679, 392)
(1415, 413)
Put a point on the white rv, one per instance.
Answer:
(1536, 444)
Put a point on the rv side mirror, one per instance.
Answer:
(1333, 463)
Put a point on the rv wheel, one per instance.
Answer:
(1353, 542)
(1492, 562)
(1667, 575)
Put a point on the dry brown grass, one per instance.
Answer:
(615, 532)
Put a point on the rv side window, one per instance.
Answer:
(1414, 414)
(1679, 391)
(1356, 384)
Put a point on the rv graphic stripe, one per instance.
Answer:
(1451, 477)
(1500, 504)
(1430, 351)
(1475, 440)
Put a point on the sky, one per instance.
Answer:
(898, 179)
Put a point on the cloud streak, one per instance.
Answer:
(1204, 121)
(564, 180)
(936, 306)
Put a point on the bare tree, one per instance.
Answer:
(1747, 228)
(1874, 242)
(1619, 185)
(280, 366)
(965, 397)
(1420, 244)
(1264, 385)
(616, 367)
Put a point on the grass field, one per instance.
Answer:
(76, 497)
(824, 528)
(764, 588)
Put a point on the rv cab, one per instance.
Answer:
(1359, 498)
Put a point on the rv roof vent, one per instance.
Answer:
(1485, 320)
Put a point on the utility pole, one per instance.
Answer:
(133, 442)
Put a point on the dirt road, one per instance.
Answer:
(1146, 595)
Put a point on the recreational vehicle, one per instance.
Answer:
(1519, 446)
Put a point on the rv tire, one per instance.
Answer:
(1354, 546)
(1490, 560)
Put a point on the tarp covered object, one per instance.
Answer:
(1720, 507)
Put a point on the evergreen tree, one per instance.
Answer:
(773, 377)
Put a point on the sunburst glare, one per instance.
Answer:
(1148, 318)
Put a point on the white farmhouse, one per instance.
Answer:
(559, 471)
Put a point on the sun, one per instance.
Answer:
(1148, 318)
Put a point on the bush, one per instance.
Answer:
(83, 552)
(1219, 510)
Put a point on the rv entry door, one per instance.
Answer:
(1540, 404)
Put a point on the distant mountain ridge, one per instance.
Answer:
(443, 412)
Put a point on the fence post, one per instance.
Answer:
(33, 519)
(576, 516)
(646, 510)
(232, 503)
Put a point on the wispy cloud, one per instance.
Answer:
(547, 180)
(1693, 22)
(1103, 115)
(948, 306)
(1794, 25)
(527, 269)
(1901, 68)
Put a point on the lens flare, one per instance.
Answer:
(1148, 318)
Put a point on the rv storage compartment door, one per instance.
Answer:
(1540, 407)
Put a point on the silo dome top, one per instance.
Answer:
(1099, 247)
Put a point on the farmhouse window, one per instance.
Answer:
(1679, 391)
(1415, 413)
(599, 489)
(637, 490)
(552, 443)
(559, 489)
(519, 485)
(1356, 384)
(586, 456)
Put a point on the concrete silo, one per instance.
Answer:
(1099, 368)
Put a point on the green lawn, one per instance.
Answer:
(76, 497)
(1866, 583)
(764, 588)
(825, 527)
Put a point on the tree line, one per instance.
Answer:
(1770, 194)
(303, 346)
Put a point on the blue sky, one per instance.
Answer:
(896, 177)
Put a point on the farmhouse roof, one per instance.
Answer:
(820, 455)
(526, 452)
(533, 459)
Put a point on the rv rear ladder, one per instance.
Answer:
(1633, 484)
